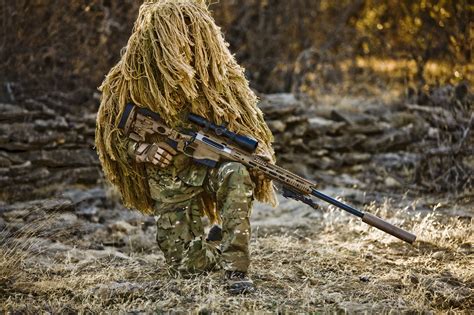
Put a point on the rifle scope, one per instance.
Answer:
(244, 142)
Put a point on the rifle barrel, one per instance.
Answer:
(369, 218)
(337, 203)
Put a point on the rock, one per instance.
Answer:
(369, 129)
(81, 195)
(65, 220)
(342, 143)
(396, 138)
(395, 160)
(438, 255)
(300, 129)
(276, 126)
(355, 158)
(353, 118)
(90, 211)
(47, 205)
(433, 133)
(278, 105)
(15, 215)
(61, 157)
(391, 182)
(321, 125)
(296, 119)
(319, 122)
(122, 226)
(38, 147)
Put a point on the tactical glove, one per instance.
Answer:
(160, 154)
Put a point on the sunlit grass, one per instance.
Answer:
(334, 264)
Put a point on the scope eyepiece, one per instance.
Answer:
(246, 143)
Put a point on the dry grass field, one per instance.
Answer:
(303, 261)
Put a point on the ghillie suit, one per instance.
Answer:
(176, 61)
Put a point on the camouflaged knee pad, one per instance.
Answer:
(180, 237)
(233, 187)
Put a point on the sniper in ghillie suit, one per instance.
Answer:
(282, 156)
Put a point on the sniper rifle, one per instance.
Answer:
(212, 143)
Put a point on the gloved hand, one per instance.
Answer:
(160, 154)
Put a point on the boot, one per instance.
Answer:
(238, 282)
(215, 234)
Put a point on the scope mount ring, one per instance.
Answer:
(219, 131)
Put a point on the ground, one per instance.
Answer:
(81, 251)
(93, 259)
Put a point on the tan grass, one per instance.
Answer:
(337, 264)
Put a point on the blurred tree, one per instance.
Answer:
(299, 45)
(55, 45)
(420, 30)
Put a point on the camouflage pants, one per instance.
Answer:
(180, 232)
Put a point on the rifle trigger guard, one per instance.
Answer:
(185, 145)
(188, 143)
